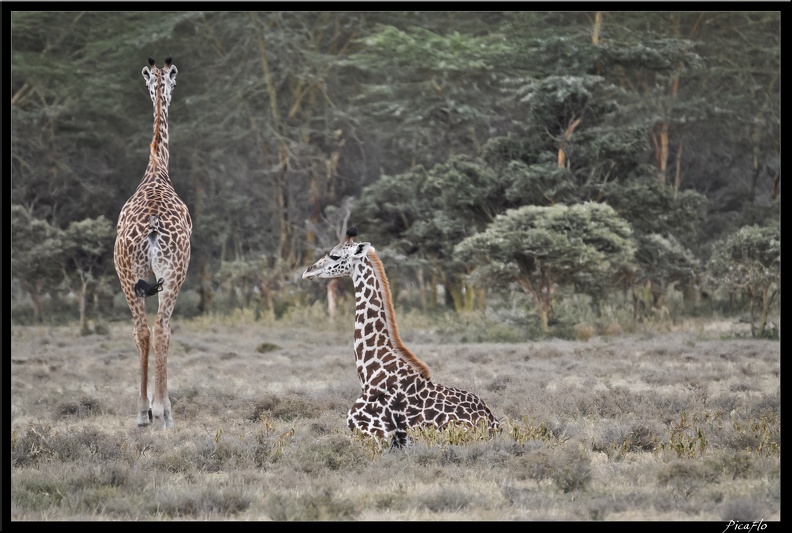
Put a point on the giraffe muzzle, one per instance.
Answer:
(309, 274)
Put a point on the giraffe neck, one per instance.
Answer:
(159, 156)
(377, 343)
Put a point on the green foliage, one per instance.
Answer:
(750, 257)
(651, 208)
(541, 247)
(88, 247)
(749, 261)
(664, 258)
(526, 432)
(37, 254)
(540, 184)
(425, 213)
(432, 92)
(554, 102)
(418, 49)
(454, 433)
(265, 347)
(280, 116)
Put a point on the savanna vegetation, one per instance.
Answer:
(578, 212)
(661, 425)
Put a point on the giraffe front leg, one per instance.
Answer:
(398, 420)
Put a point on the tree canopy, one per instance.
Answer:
(423, 128)
(540, 248)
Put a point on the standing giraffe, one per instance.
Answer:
(397, 392)
(154, 229)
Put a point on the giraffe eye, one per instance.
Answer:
(335, 257)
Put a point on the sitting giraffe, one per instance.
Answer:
(153, 237)
(397, 392)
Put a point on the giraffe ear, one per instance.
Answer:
(362, 249)
(146, 73)
(172, 73)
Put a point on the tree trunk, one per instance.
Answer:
(660, 136)
(543, 305)
(280, 180)
(595, 32)
(433, 291)
(454, 289)
(282, 196)
(470, 297)
(481, 299)
(543, 317)
(421, 288)
(752, 307)
(314, 199)
(562, 156)
(83, 297)
(35, 297)
(776, 186)
(678, 175)
(660, 141)
(763, 315)
(547, 306)
(205, 291)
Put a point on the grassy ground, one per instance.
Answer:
(673, 425)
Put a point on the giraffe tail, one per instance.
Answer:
(144, 289)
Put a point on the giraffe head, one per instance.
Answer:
(166, 76)
(341, 260)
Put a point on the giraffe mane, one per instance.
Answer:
(157, 119)
(390, 317)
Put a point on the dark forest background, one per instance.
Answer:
(494, 159)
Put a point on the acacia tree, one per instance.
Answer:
(541, 248)
(80, 121)
(425, 212)
(668, 227)
(87, 246)
(427, 91)
(36, 256)
(749, 261)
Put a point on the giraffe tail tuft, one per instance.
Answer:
(144, 290)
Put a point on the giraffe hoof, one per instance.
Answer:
(164, 422)
(144, 418)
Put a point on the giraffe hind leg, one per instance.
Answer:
(142, 335)
(161, 411)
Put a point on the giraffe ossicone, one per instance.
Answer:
(153, 238)
(397, 392)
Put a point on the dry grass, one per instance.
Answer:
(674, 426)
